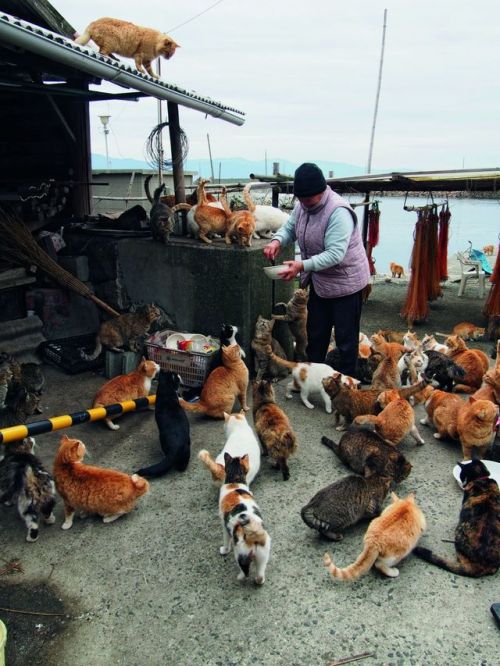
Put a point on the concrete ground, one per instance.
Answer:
(151, 588)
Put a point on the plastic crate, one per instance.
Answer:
(66, 353)
(193, 367)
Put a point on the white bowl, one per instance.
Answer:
(198, 342)
(492, 467)
(173, 339)
(273, 272)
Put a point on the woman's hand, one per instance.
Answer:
(292, 270)
(272, 249)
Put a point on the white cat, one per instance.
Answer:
(241, 520)
(240, 440)
(308, 378)
(268, 219)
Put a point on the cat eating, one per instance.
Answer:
(107, 492)
(129, 40)
(135, 384)
(389, 538)
(173, 428)
(242, 525)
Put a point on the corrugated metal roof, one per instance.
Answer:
(14, 31)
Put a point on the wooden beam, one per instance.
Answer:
(176, 149)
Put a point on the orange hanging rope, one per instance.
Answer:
(416, 306)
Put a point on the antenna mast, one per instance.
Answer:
(370, 152)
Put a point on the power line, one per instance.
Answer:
(195, 16)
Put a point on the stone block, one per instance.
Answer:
(77, 265)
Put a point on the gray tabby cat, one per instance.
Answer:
(295, 314)
(344, 503)
(265, 367)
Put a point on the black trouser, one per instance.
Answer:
(344, 314)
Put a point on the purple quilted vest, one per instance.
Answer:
(353, 272)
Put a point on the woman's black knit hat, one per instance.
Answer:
(308, 180)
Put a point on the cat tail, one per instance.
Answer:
(358, 568)
(247, 198)
(140, 484)
(366, 418)
(95, 353)
(147, 180)
(218, 471)
(198, 406)
(159, 469)
(407, 391)
(463, 567)
(279, 360)
(181, 206)
(225, 205)
(84, 38)
(330, 444)
(309, 517)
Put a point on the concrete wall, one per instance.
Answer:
(201, 286)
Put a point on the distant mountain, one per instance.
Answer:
(234, 167)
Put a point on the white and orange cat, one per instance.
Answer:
(107, 492)
(395, 421)
(135, 384)
(389, 539)
(242, 525)
(308, 378)
(222, 386)
(240, 441)
(129, 40)
(468, 331)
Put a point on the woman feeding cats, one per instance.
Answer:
(333, 263)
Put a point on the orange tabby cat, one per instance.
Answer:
(136, 384)
(211, 220)
(473, 361)
(129, 40)
(396, 270)
(476, 426)
(223, 385)
(241, 224)
(468, 331)
(395, 421)
(490, 390)
(489, 249)
(106, 492)
(387, 374)
(389, 538)
(442, 410)
(382, 346)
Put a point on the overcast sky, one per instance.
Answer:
(305, 73)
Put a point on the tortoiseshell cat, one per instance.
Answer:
(25, 481)
(275, 432)
(296, 316)
(265, 367)
(366, 453)
(388, 539)
(477, 535)
(344, 503)
(125, 331)
(15, 376)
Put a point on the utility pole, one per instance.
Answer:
(370, 152)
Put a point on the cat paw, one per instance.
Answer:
(246, 408)
(241, 576)
(288, 396)
(112, 426)
(328, 410)
(260, 580)
(51, 519)
(224, 550)
(391, 572)
(68, 524)
(308, 405)
(424, 421)
(437, 435)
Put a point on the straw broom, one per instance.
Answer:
(19, 247)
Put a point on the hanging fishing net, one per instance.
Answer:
(416, 306)
(444, 223)
(492, 305)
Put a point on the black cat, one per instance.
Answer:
(173, 426)
(443, 370)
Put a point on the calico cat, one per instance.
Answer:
(107, 492)
(366, 453)
(173, 427)
(265, 367)
(240, 441)
(443, 370)
(395, 421)
(125, 331)
(344, 503)
(15, 376)
(268, 219)
(135, 384)
(273, 428)
(413, 363)
(308, 378)
(477, 535)
(429, 343)
(389, 538)
(242, 525)
(468, 331)
(222, 386)
(396, 270)
(25, 481)
(211, 220)
(476, 421)
(473, 361)
(129, 40)
(295, 314)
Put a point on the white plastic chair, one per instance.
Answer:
(470, 270)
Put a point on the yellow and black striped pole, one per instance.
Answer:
(14, 433)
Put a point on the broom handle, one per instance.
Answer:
(103, 305)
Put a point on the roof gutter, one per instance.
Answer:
(90, 62)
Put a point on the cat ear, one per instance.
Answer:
(227, 458)
(472, 399)
(226, 416)
(245, 462)
(394, 497)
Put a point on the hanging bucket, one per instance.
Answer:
(3, 641)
